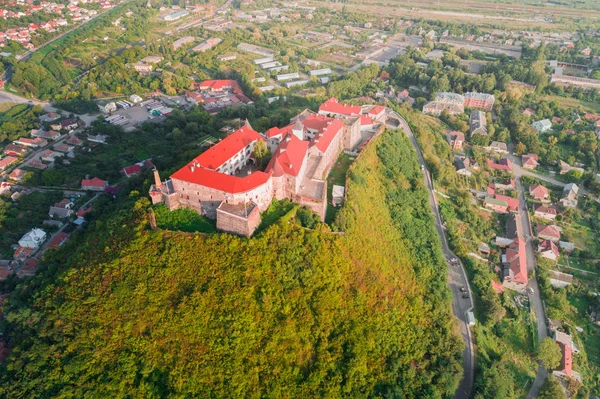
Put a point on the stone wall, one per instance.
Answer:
(236, 224)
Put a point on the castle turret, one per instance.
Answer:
(157, 181)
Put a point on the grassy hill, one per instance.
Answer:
(124, 311)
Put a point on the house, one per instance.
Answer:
(6, 162)
(542, 125)
(539, 192)
(29, 268)
(227, 57)
(530, 161)
(100, 138)
(65, 203)
(59, 212)
(514, 266)
(15, 150)
(565, 369)
(478, 123)
(548, 249)
(65, 124)
(527, 112)
(569, 196)
(591, 117)
(143, 67)
(94, 184)
(504, 185)
(479, 100)
(131, 170)
(548, 232)
(57, 240)
(64, 148)
(33, 239)
(462, 165)
(33, 143)
(437, 108)
(566, 168)
(17, 175)
(559, 279)
(74, 140)
(498, 146)
(503, 165)
(545, 212)
(49, 117)
(512, 204)
(496, 205)
(107, 107)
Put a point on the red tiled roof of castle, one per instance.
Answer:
(376, 110)
(327, 127)
(365, 120)
(220, 153)
(288, 157)
(333, 106)
(221, 181)
(276, 131)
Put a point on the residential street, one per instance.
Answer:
(457, 277)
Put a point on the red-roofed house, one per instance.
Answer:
(377, 113)
(512, 203)
(131, 170)
(456, 140)
(94, 184)
(57, 240)
(6, 162)
(591, 117)
(550, 232)
(503, 165)
(17, 174)
(16, 150)
(539, 192)
(514, 266)
(545, 212)
(548, 250)
(530, 161)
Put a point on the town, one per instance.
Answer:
(230, 118)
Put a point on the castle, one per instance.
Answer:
(223, 183)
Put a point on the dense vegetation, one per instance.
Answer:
(293, 312)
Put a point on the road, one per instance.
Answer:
(535, 299)
(6, 97)
(457, 277)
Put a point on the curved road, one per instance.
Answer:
(457, 277)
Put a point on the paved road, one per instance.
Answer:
(6, 97)
(457, 277)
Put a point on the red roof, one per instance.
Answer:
(333, 106)
(548, 231)
(288, 157)
(376, 110)
(6, 161)
(276, 131)
(95, 182)
(220, 85)
(545, 209)
(221, 181)
(226, 149)
(513, 203)
(566, 363)
(365, 120)
(327, 128)
(503, 164)
(58, 240)
(548, 245)
(83, 212)
(516, 257)
(539, 192)
(132, 170)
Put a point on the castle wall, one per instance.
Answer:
(239, 225)
(329, 156)
(318, 205)
(206, 200)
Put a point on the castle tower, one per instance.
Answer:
(298, 130)
(157, 181)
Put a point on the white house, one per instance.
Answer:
(542, 126)
(33, 239)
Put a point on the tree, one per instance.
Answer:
(520, 148)
(261, 154)
(551, 389)
(549, 353)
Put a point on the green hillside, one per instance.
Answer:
(124, 311)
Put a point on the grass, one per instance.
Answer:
(573, 103)
(6, 106)
(183, 220)
(274, 212)
(337, 177)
